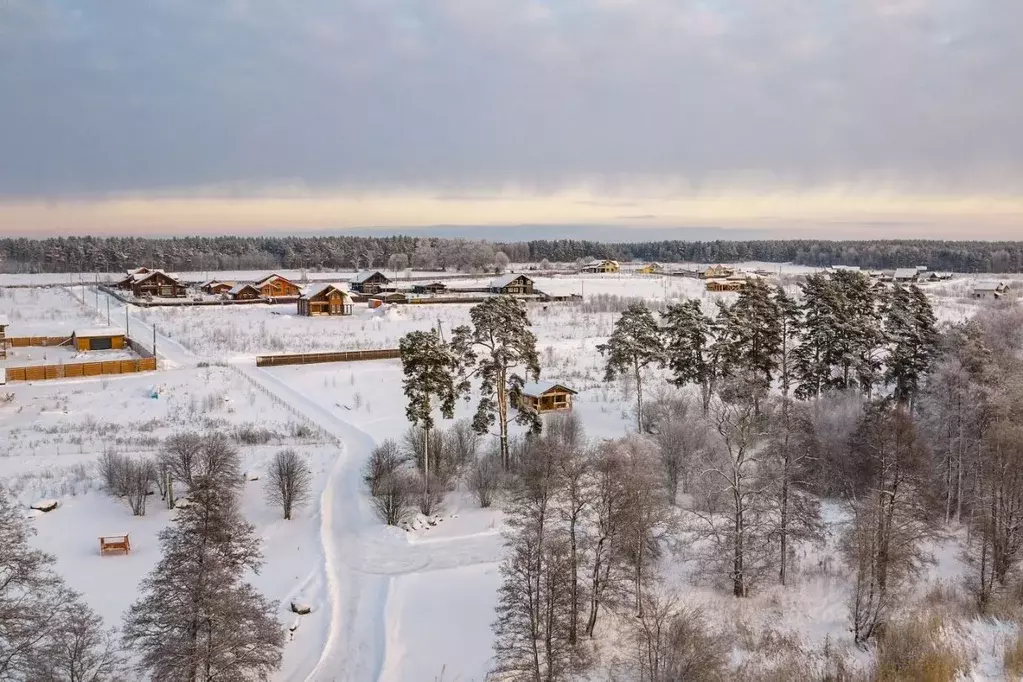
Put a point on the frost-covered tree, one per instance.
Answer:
(790, 321)
(493, 349)
(47, 634)
(749, 334)
(812, 357)
(397, 262)
(635, 344)
(688, 348)
(430, 366)
(196, 618)
(288, 482)
(910, 326)
(501, 262)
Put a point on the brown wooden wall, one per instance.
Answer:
(24, 341)
(80, 369)
(316, 358)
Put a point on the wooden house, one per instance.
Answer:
(145, 282)
(511, 284)
(101, 338)
(432, 288)
(906, 275)
(546, 396)
(215, 288)
(325, 299)
(725, 284)
(4, 323)
(715, 271)
(275, 286)
(383, 297)
(369, 282)
(601, 265)
(244, 292)
(651, 269)
(989, 289)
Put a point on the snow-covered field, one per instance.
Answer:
(388, 605)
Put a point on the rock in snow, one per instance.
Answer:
(46, 505)
(301, 608)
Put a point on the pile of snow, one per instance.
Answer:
(420, 522)
(301, 607)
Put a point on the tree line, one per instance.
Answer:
(196, 254)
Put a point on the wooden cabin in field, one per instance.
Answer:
(716, 271)
(431, 288)
(369, 282)
(602, 265)
(244, 292)
(385, 297)
(275, 286)
(101, 338)
(989, 289)
(325, 299)
(546, 396)
(512, 284)
(725, 285)
(156, 283)
(4, 323)
(215, 288)
(906, 275)
(651, 269)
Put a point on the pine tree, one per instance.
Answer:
(197, 621)
(498, 342)
(910, 326)
(790, 322)
(430, 367)
(635, 343)
(811, 358)
(750, 336)
(688, 348)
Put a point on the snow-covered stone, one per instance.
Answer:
(251, 475)
(301, 608)
(46, 505)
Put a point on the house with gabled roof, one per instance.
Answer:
(277, 286)
(601, 265)
(325, 299)
(989, 289)
(244, 292)
(369, 282)
(511, 284)
(545, 396)
(906, 275)
(147, 282)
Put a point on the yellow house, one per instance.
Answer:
(716, 271)
(605, 265)
(651, 269)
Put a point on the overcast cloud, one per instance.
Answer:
(146, 97)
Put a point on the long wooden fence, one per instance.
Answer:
(25, 341)
(80, 369)
(316, 358)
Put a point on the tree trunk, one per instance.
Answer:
(639, 398)
(502, 415)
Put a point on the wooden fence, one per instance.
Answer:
(315, 358)
(80, 369)
(25, 341)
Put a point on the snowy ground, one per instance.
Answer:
(388, 605)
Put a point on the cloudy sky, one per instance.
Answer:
(835, 117)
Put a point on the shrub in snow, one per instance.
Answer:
(485, 479)
(384, 461)
(395, 497)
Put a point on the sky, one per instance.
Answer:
(829, 118)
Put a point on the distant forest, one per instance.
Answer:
(111, 254)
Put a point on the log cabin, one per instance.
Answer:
(244, 292)
(4, 322)
(101, 338)
(546, 396)
(715, 271)
(275, 286)
(511, 284)
(429, 288)
(725, 284)
(157, 283)
(325, 299)
(215, 288)
(369, 282)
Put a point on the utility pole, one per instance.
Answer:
(127, 332)
(154, 340)
(108, 311)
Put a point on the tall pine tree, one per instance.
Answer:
(910, 326)
(688, 348)
(750, 336)
(635, 343)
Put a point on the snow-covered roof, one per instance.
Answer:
(850, 268)
(988, 286)
(361, 277)
(272, 277)
(317, 289)
(905, 273)
(238, 288)
(92, 332)
(142, 276)
(538, 388)
(4, 321)
(505, 280)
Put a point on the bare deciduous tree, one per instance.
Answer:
(384, 460)
(675, 644)
(139, 476)
(288, 482)
(485, 479)
(180, 455)
(395, 497)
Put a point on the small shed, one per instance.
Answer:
(325, 299)
(429, 288)
(511, 284)
(4, 322)
(368, 282)
(244, 292)
(100, 338)
(387, 297)
(906, 275)
(546, 396)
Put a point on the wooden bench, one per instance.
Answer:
(110, 544)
